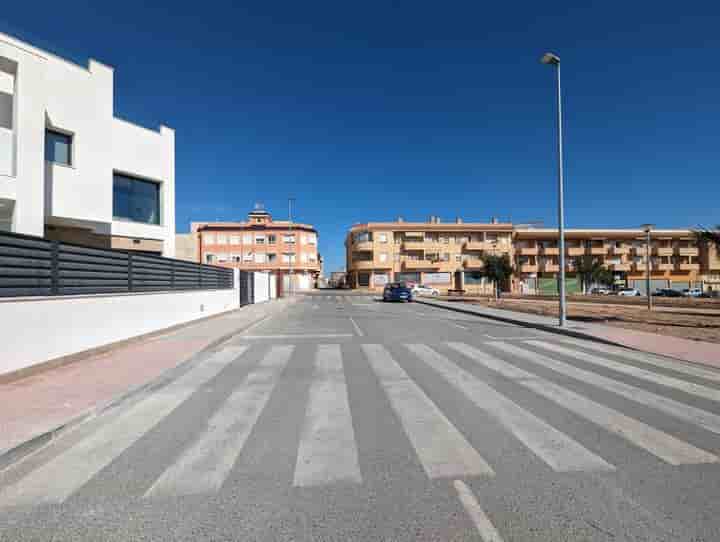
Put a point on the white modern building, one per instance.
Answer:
(70, 169)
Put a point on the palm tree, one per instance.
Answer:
(589, 269)
(709, 235)
(498, 269)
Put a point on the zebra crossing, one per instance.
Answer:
(327, 451)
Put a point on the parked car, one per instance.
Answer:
(600, 291)
(692, 292)
(628, 292)
(421, 289)
(667, 292)
(397, 291)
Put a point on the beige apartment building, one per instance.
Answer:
(448, 256)
(443, 255)
(260, 244)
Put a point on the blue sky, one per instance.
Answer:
(369, 110)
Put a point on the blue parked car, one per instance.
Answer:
(397, 291)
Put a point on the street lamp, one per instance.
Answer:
(554, 60)
(647, 228)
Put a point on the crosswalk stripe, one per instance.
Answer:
(203, 467)
(658, 443)
(442, 449)
(694, 415)
(668, 381)
(327, 452)
(649, 359)
(555, 448)
(484, 526)
(57, 479)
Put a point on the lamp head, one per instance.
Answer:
(550, 58)
(647, 227)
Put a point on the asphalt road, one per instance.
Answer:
(348, 419)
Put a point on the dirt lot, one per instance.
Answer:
(699, 323)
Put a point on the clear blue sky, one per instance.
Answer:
(367, 110)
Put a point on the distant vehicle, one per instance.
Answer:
(600, 291)
(421, 289)
(667, 292)
(628, 292)
(692, 292)
(397, 291)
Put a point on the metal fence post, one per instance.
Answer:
(54, 273)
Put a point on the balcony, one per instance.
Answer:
(528, 268)
(473, 264)
(662, 267)
(363, 264)
(551, 251)
(477, 245)
(619, 251)
(363, 246)
(529, 251)
(551, 268)
(620, 266)
(663, 251)
(420, 264)
(575, 251)
(688, 251)
(415, 245)
(598, 251)
(689, 267)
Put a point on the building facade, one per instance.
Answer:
(443, 255)
(71, 170)
(262, 244)
(448, 256)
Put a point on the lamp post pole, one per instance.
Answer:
(647, 228)
(292, 252)
(554, 60)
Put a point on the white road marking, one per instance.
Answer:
(357, 327)
(558, 450)
(691, 414)
(256, 324)
(458, 325)
(508, 338)
(327, 452)
(673, 365)
(59, 478)
(668, 381)
(203, 467)
(441, 448)
(658, 443)
(300, 336)
(484, 526)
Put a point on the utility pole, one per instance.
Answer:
(647, 228)
(292, 253)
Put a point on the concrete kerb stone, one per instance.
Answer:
(14, 455)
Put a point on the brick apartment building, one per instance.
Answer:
(259, 244)
(449, 256)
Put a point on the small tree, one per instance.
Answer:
(709, 236)
(589, 269)
(605, 276)
(498, 269)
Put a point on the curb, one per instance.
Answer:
(533, 325)
(17, 453)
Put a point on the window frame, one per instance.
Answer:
(71, 145)
(158, 185)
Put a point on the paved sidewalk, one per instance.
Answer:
(705, 353)
(40, 403)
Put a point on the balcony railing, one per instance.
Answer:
(551, 268)
(599, 250)
(421, 264)
(529, 251)
(416, 245)
(363, 245)
(551, 251)
(689, 266)
(363, 264)
(619, 251)
(620, 266)
(662, 251)
(473, 264)
(575, 251)
(688, 251)
(528, 268)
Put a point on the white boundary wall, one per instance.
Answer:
(33, 331)
(261, 288)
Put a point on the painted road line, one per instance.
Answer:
(662, 445)
(657, 378)
(357, 327)
(558, 450)
(694, 415)
(484, 526)
(327, 452)
(297, 336)
(459, 326)
(649, 359)
(203, 467)
(440, 447)
(60, 477)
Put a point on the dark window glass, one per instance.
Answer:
(473, 277)
(136, 200)
(58, 147)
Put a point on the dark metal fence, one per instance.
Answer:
(35, 266)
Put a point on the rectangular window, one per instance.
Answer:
(222, 257)
(290, 239)
(260, 257)
(58, 147)
(259, 239)
(271, 257)
(382, 237)
(135, 199)
(209, 238)
(222, 239)
(271, 239)
(304, 257)
(247, 239)
(383, 257)
(248, 256)
(209, 258)
(288, 257)
(312, 239)
(236, 258)
(234, 239)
